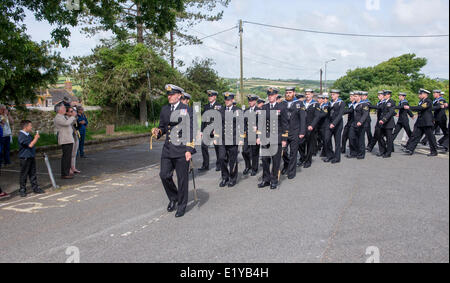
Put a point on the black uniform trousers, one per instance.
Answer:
(66, 159)
(28, 170)
(181, 167)
(443, 125)
(368, 131)
(268, 175)
(250, 153)
(336, 132)
(205, 155)
(401, 126)
(290, 156)
(345, 137)
(417, 135)
(357, 142)
(327, 145)
(386, 146)
(228, 155)
(309, 146)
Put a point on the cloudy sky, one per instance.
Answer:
(276, 53)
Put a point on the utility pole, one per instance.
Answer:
(172, 59)
(321, 90)
(241, 32)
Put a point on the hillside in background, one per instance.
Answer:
(258, 86)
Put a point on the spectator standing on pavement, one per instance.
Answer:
(82, 125)
(72, 112)
(6, 138)
(27, 153)
(63, 125)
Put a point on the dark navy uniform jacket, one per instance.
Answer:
(337, 110)
(324, 114)
(439, 113)
(425, 111)
(283, 126)
(387, 114)
(171, 150)
(296, 119)
(361, 113)
(403, 113)
(208, 107)
(229, 128)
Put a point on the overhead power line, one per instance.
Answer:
(348, 34)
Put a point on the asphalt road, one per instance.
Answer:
(397, 208)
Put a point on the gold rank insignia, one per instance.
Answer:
(168, 88)
(425, 105)
(191, 144)
(442, 102)
(325, 110)
(366, 108)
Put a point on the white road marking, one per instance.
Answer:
(67, 199)
(50, 196)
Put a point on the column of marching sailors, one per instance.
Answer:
(305, 125)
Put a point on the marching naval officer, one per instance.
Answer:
(250, 152)
(176, 154)
(212, 105)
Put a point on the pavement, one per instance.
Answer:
(386, 210)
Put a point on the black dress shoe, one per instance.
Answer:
(263, 185)
(254, 173)
(23, 194)
(172, 206)
(203, 169)
(300, 164)
(273, 186)
(368, 149)
(284, 171)
(408, 152)
(307, 165)
(246, 171)
(179, 213)
(291, 177)
(327, 160)
(217, 169)
(39, 191)
(223, 184)
(350, 156)
(433, 154)
(231, 184)
(403, 145)
(379, 154)
(360, 157)
(334, 161)
(386, 156)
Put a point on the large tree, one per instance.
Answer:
(401, 71)
(203, 74)
(118, 16)
(118, 75)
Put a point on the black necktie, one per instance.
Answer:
(172, 109)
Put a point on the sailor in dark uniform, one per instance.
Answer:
(213, 106)
(229, 149)
(387, 124)
(301, 98)
(424, 124)
(178, 148)
(271, 177)
(296, 117)
(440, 117)
(312, 119)
(349, 112)
(368, 124)
(324, 127)
(185, 98)
(337, 108)
(261, 103)
(377, 133)
(403, 120)
(250, 151)
(357, 131)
